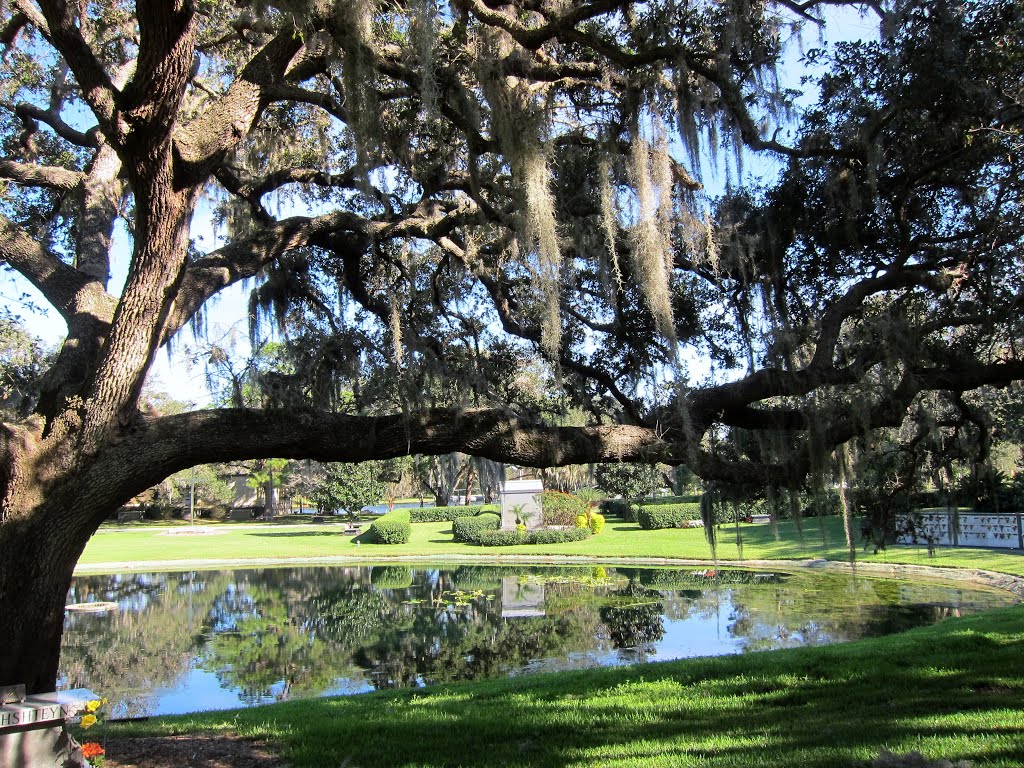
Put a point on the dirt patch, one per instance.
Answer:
(220, 751)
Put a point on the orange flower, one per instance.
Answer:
(91, 749)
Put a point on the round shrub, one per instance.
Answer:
(469, 528)
(596, 523)
(392, 528)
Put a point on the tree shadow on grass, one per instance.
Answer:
(807, 708)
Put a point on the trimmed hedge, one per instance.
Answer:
(447, 514)
(657, 516)
(392, 528)
(555, 536)
(469, 528)
(506, 538)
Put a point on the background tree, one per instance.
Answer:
(432, 198)
(626, 479)
(267, 476)
(23, 360)
(348, 487)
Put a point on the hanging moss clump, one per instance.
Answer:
(772, 499)
(708, 517)
(609, 222)
(424, 34)
(652, 252)
(352, 29)
(843, 466)
(793, 497)
(519, 121)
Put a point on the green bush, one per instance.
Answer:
(666, 515)
(391, 576)
(595, 523)
(499, 538)
(447, 514)
(561, 508)
(469, 528)
(622, 508)
(392, 528)
(507, 538)
(556, 536)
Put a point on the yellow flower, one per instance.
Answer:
(89, 721)
(92, 706)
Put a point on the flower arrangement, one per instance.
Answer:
(93, 751)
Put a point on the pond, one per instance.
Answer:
(203, 640)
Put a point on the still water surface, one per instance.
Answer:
(184, 642)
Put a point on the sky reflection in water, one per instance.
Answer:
(183, 642)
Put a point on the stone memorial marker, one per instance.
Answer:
(32, 728)
(524, 494)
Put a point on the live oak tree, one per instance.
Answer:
(434, 195)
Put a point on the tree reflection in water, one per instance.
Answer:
(283, 633)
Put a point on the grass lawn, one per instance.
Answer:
(619, 540)
(950, 691)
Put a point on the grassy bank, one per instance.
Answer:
(950, 691)
(619, 540)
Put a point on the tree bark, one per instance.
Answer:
(35, 575)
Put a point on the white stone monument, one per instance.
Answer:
(524, 494)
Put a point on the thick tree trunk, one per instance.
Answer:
(35, 574)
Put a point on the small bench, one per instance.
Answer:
(352, 529)
(32, 731)
(129, 515)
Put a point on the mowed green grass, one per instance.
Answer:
(953, 691)
(619, 540)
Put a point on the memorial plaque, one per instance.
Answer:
(11, 694)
